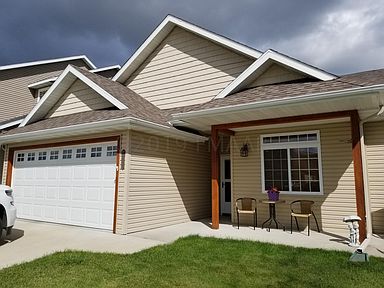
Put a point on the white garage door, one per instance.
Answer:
(71, 185)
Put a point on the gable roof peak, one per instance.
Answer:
(272, 56)
(163, 30)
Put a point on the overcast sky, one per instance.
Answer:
(341, 36)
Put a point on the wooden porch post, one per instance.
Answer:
(215, 177)
(358, 174)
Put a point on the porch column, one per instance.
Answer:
(215, 177)
(358, 174)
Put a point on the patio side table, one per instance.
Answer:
(272, 214)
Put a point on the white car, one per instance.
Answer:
(7, 211)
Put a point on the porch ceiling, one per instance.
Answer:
(366, 104)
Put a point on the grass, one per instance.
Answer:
(199, 262)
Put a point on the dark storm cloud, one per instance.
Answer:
(109, 31)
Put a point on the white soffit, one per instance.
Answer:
(65, 80)
(251, 73)
(162, 31)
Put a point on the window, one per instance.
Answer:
(96, 152)
(67, 154)
(292, 163)
(54, 155)
(40, 93)
(20, 157)
(111, 150)
(42, 156)
(31, 156)
(81, 153)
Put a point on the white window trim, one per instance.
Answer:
(288, 145)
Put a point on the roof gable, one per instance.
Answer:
(162, 31)
(78, 98)
(57, 90)
(266, 60)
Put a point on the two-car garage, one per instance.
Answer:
(70, 184)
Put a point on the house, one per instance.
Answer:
(131, 153)
(23, 84)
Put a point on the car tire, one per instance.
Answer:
(3, 231)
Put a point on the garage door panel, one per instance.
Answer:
(70, 191)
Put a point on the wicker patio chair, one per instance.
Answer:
(303, 209)
(246, 206)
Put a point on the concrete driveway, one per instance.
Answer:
(30, 240)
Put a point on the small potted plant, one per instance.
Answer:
(273, 194)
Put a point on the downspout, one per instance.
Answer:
(367, 197)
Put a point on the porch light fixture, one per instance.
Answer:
(244, 150)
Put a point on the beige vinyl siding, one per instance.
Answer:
(374, 140)
(186, 69)
(79, 98)
(121, 213)
(276, 74)
(15, 97)
(169, 182)
(338, 176)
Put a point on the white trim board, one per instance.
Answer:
(49, 61)
(65, 80)
(250, 73)
(162, 31)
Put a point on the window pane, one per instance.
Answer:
(295, 185)
(268, 184)
(295, 175)
(304, 164)
(267, 140)
(305, 186)
(276, 154)
(304, 175)
(314, 175)
(312, 137)
(276, 175)
(268, 154)
(315, 186)
(267, 164)
(303, 152)
(283, 139)
(293, 138)
(313, 163)
(227, 168)
(313, 152)
(268, 175)
(294, 153)
(303, 137)
(295, 164)
(275, 139)
(227, 192)
(284, 174)
(276, 164)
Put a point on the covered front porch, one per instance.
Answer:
(313, 157)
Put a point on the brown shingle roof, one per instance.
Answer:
(138, 107)
(285, 90)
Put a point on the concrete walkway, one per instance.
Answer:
(31, 240)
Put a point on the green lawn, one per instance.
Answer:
(199, 262)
